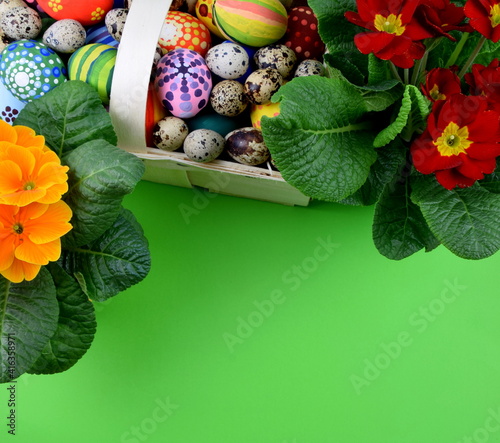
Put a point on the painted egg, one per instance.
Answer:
(169, 133)
(95, 65)
(228, 98)
(246, 146)
(21, 23)
(10, 106)
(262, 84)
(115, 22)
(34, 4)
(218, 123)
(251, 22)
(204, 11)
(228, 60)
(154, 112)
(310, 67)
(278, 57)
(259, 111)
(87, 12)
(99, 34)
(30, 69)
(302, 34)
(183, 82)
(203, 145)
(65, 36)
(182, 30)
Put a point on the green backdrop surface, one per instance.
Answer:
(272, 324)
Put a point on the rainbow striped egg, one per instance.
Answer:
(95, 65)
(254, 23)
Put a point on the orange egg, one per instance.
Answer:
(87, 12)
(182, 30)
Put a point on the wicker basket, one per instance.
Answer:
(128, 113)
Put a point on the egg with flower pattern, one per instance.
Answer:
(183, 82)
(88, 12)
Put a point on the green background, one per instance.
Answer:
(247, 329)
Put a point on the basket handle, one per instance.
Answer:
(129, 89)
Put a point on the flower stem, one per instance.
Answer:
(395, 72)
(471, 58)
(458, 49)
(407, 76)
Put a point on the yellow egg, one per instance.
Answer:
(257, 111)
(204, 12)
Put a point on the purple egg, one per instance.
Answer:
(183, 82)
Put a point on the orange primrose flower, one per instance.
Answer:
(29, 170)
(30, 237)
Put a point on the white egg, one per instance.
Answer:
(203, 145)
(227, 60)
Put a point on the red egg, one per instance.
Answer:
(87, 12)
(182, 30)
(302, 34)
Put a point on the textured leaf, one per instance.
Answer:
(69, 116)
(29, 313)
(390, 161)
(382, 95)
(75, 330)
(118, 259)
(491, 182)
(319, 141)
(399, 229)
(100, 176)
(464, 220)
(347, 68)
(411, 116)
(378, 70)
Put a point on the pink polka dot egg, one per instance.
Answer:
(183, 82)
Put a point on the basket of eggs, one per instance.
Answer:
(186, 83)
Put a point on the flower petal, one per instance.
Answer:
(7, 249)
(7, 132)
(10, 177)
(53, 224)
(54, 193)
(20, 271)
(40, 254)
(450, 178)
(27, 137)
(23, 198)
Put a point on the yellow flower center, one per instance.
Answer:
(390, 24)
(495, 15)
(453, 141)
(18, 228)
(435, 94)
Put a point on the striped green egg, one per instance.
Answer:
(94, 64)
(254, 23)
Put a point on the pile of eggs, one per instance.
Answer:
(217, 65)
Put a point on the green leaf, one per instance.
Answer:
(491, 182)
(349, 70)
(378, 70)
(382, 95)
(411, 117)
(75, 330)
(69, 116)
(113, 262)
(100, 176)
(28, 319)
(319, 141)
(399, 229)
(390, 161)
(464, 220)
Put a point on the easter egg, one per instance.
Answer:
(95, 65)
(183, 82)
(219, 123)
(155, 111)
(259, 111)
(100, 34)
(302, 34)
(251, 22)
(87, 12)
(204, 11)
(10, 106)
(30, 69)
(182, 30)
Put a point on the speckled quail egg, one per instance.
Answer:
(4, 40)
(5, 5)
(20, 23)
(203, 145)
(228, 98)
(115, 22)
(169, 133)
(310, 67)
(246, 146)
(278, 57)
(227, 60)
(65, 36)
(262, 84)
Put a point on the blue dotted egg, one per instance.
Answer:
(29, 69)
